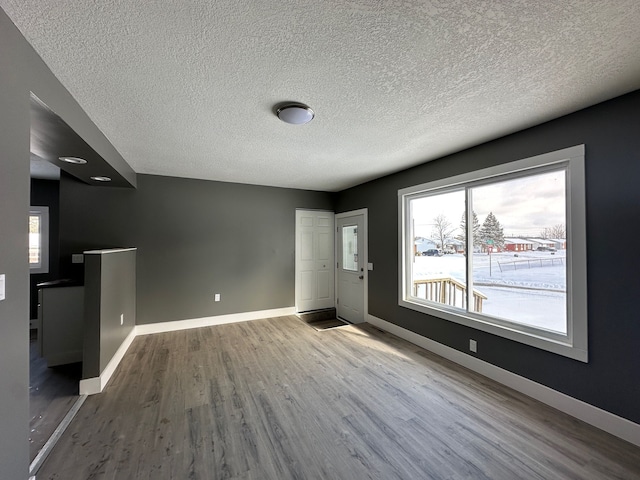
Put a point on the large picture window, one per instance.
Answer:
(502, 250)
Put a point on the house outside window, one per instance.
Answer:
(498, 271)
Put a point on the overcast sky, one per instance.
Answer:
(524, 207)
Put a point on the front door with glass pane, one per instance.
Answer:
(351, 262)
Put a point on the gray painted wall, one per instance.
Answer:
(194, 238)
(110, 290)
(22, 72)
(14, 211)
(91, 327)
(610, 131)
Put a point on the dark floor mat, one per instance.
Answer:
(325, 324)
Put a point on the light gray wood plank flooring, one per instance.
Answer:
(275, 399)
(52, 393)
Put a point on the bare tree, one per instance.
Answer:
(442, 229)
(558, 231)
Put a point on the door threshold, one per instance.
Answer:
(329, 324)
(314, 315)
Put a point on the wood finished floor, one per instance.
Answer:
(275, 399)
(52, 393)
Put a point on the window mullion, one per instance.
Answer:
(410, 249)
(469, 256)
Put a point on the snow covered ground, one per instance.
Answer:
(528, 289)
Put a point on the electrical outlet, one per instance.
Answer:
(473, 345)
(122, 319)
(217, 297)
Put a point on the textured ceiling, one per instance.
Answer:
(187, 88)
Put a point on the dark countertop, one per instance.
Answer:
(63, 282)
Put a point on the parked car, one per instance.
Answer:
(542, 248)
(433, 252)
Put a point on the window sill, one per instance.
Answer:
(554, 345)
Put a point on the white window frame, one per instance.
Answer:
(43, 213)
(574, 344)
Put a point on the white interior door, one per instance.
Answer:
(315, 257)
(350, 235)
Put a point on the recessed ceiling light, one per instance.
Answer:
(101, 179)
(295, 113)
(74, 160)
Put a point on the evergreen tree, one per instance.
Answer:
(491, 230)
(463, 229)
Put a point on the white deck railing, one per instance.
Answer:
(448, 291)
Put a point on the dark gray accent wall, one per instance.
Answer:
(45, 193)
(21, 72)
(91, 321)
(195, 238)
(110, 291)
(611, 134)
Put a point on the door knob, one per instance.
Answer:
(361, 277)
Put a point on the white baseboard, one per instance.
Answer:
(91, 386)
(210, 321)
(610, 423)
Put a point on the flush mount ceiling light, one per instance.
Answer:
(101, 179)
(295, 113)
(74, 160)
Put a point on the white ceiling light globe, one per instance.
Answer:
(295, 114)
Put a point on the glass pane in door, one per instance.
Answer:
(350, 248)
